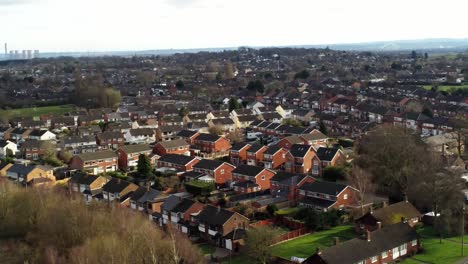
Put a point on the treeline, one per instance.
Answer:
(94, 91)
(49, 226)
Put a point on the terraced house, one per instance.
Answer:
(129, 155)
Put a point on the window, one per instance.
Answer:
(384, 254)
(374, 259)
(345, 196)
(263, 177)
(222, 171)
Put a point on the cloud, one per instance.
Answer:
(14, 2)
(175, 3)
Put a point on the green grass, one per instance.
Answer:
(306, 245)
(434, 251)
(239, 259)
(287, 211)
(206, 249)
(447, 88)
(36, 111)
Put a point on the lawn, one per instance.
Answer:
(206, 248)
(288, 211)
(306, 245)
(447, 88)
(434, 251)
(36, 111)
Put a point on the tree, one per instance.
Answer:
(362, 181)
(291, 122)
(304, 74)
(323, 128)
(180, 85)
(235, 136)
(234, 104)
(229, 70)
(333, 173)
(258, 243)
(256, 86)
(144, 168)
(65, 155)
(271, 209)
(460, 133)
(215, 130)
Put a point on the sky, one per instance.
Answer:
(114, 25)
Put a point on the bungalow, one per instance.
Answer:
(388, 215)
(110, 140)
(255, 154)
(42, 135)
(220, 171)
(249, 178)
(7, 148)
(89, 185)
(285, 184)
(117, 189)
(324, 195)
(274, 157)
(238, 153)
(95, 162)
(215, 223)
(129, 155)
(299, 159)
(140, 136)
(176, 146)
(177, 161)
(384, 245)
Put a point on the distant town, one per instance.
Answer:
(246, 155)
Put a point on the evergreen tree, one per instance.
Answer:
(144, 168)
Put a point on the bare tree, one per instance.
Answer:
(362, 181)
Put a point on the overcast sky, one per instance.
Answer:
(104, 25)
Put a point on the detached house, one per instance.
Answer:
(219, 171)
(129, 155)
(95, 162)
(176, 146)
(249, 178)
(215, 223)
(384, 245)
(324, 195)
(299, 159)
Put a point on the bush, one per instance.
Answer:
(319, 220)
(271, 209)
(334, 173)
(199, 188)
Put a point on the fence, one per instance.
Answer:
(263, 223)
(291, 234)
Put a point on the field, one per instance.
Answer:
(306, 245)
(36, 111)
(447, 88)
(449, 251)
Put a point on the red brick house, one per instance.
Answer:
(95, 162)
(238, 153)
(129, 154)
(274, 157)
(176, 161)
(324, 195)
(384, 245)
(249, 178)
(285, 184)
(255, 155)
(207, 143)
(288, 142)
(177, 146)
(188, 135)
(327, 157)
(32, 149)
(220, 171)
(110, 139)
(299, 159)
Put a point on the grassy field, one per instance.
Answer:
(36, 111)
(434, 251)
(306, 245)
(447, 88)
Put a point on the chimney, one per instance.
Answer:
(368, 235)
(379, 225)
(318, 251)
(336, 241)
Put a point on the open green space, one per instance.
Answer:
(287, 211)
(36, 111)
(435, 251)
(447, 88)
(306, 245)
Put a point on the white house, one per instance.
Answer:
(7, 146)
(42, 135)
(140, 136)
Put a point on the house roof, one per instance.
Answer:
(299, 150)
(214, 215)
(143, 194)
(358, 249)
(326, 154)
(248, 170)
(105, 154)
(287, 178)
(208, 164)
(317, 202)
(187, 133)
(171, 202)
(137, 148)
(183, 206)
(173, 143)
(78, 139)
(272, 150)
(393, 213)
(207, 137)
(115, 185)
(294, 139)
(109, 135)
(176, 159)
(326, 187)
(239, 146)
(38, 133)
(84, 178)
(315, 135)
(141, 132)
(254, 148)
(4, 143)
(21, 169)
